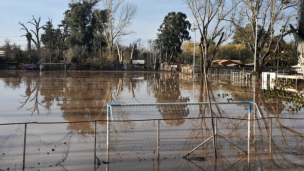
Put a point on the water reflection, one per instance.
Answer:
(167, 89)
(82, 96)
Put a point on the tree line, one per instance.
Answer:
(85, 35)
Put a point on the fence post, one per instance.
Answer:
(249, 128)
(24, 145)
(270, 143)
(215, 130)
(108, 134)
(158, 126)
(94, 144)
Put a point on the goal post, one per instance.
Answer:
(161, 134)
(53, 66)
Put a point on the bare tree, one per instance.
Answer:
(210, 17)
(120, 15)
(271, 14)
(28, 35)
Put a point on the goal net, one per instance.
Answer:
(52, 66)
(145, 132)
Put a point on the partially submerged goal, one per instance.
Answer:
(52, 66)
(169, 131)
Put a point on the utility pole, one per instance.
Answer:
(160, 52)
(256, 36)
(256, 41)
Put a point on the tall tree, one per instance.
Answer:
(211, 18)
(80, 21)
(36, 23)
(100, 42)
(173, 31)
(49, 36)
(120, 15)
(271, 14)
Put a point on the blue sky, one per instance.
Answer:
(150, 15)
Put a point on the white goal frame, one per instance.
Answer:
(216, 135)
(41, 66)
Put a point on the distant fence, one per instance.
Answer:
(123, 143)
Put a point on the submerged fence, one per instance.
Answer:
(135, 138)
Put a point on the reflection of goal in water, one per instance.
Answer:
(52, 66)
(135, 133)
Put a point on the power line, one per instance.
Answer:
(14, 40)
(10, 36)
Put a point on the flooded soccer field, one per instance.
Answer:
(66, 116)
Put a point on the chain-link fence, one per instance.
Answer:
(158, 137)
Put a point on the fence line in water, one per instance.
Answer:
(149, 139)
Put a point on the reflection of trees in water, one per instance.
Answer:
(82, 96)
(32, 95)
(13, 83)
(287, 145)
(168, 90)
(239, 93)
(173, 114)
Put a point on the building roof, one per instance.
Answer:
(227, 62)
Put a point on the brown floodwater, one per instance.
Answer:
(66, 104)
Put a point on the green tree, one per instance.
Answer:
(85, 30)
(80, 21)
(49, 36)
(233, 51)
(241, 34)
(173, 31)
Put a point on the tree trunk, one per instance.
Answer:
(131, 58)
(29, 39)
(120, 55)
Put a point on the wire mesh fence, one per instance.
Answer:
(157, 142)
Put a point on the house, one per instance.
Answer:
(227, 63)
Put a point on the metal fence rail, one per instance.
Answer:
(126, 143)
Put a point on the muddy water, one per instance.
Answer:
(73, 96)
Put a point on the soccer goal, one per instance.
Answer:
(177, 130)
(52, 66)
